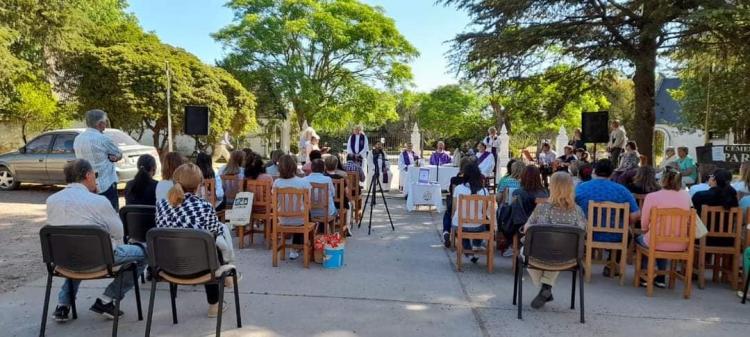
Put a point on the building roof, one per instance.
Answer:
(668, 111)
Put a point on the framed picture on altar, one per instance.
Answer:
(424, 175)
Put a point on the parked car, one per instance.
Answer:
(42, 160)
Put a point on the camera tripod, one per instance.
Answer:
(371, 195)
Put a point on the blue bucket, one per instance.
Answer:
(333, 258)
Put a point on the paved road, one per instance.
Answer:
(400, 283)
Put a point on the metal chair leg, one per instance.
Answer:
(520, 288)
(221, 305)
(137, 292)
(73, 303)
(515, 283)
(237, 299)
(117, 305)
(573, 291)
(172, 296)
(45, 310)
(580, 285)
(150, 307)
(747, 283)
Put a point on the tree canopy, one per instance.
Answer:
(515, 37)
(332, 61)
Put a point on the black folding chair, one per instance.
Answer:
(747, 285)
(544, 246)
(187, 257)
(82, 253)
(136, 221)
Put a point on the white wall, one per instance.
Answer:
(691, 139)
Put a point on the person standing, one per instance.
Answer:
(617, 140)
(358, 145)
(222, 148)
(378, 162)
(440, 156)
(491, 141)
(99, 150)
(406, 160)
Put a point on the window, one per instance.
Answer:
(39, 145)
(120, 138)
(64, 143)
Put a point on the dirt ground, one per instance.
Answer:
(22, 214)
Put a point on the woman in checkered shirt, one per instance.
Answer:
(184, 209)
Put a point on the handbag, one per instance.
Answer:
(512, 217)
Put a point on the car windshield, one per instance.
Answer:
(120, 138)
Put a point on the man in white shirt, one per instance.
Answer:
(617, 140)
(491, 141)
(78, 204)
(101, 152)
(222, 148)
(545, 160)
(358, 145)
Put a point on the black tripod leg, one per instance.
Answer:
(364, 206)
(382, 194)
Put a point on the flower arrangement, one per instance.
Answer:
(328, 241)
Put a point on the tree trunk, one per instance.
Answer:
(23, 133)
(156, 130)
(501, 115)
(644, 81)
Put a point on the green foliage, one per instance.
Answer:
(36, 109)
(322, 58)
(518, 37)
(452, 112)
(129, 81)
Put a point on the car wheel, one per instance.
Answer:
(7, 181)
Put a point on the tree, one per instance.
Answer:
(128, 81)
(324, 57)
(452, 111)
(515, 35)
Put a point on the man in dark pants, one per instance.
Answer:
(99, 150)
(617, 140)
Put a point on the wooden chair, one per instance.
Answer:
(291, 205)
(355, 195)
(232, 184)
(607, 217)
(489, 184)
(476, 210)
(340, 199)
(673, 226)
(320, 207)
(261, 218)
(207, 191)
(726, 225)
(636, 229)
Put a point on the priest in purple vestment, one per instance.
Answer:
(440, 156)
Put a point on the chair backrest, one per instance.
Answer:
(182, 252)
(261, 190)
(722, 223)
(137, 220)
(608, 217)
(208, 191)
(340, 196)
(352, 184)
(475, 210)
(319, 195)
(672, 226)
(639, 199)
(554, 243)
(291, 206)
(232, 184)
(76, 248)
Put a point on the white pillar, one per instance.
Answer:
(561, 141)
(416, 139)
(503, 152)
(286, 133)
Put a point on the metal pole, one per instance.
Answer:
(169, 109)
(708, 106)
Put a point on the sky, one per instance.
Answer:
(188, 24)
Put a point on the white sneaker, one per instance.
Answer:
(508, 253)
(293, 255)
(213, 309)
(741, 294)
